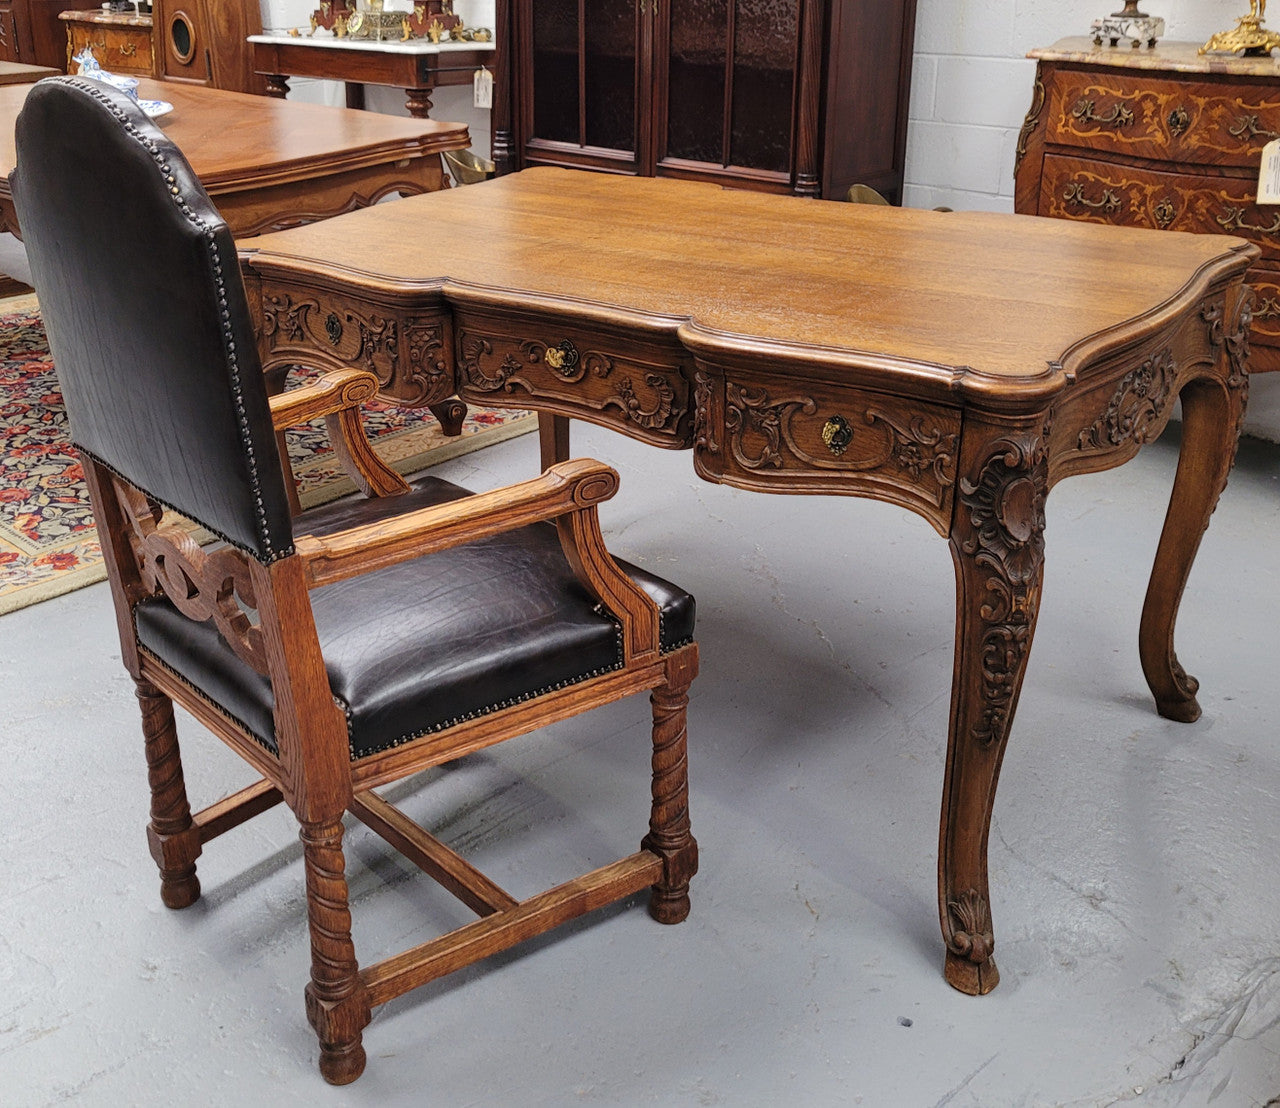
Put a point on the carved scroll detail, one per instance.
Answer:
(917, 449)
(751, 412)
(202, 586)
(427, 369)
(1136, 406)
(971, 936)
(1006, 509)
(280, 315)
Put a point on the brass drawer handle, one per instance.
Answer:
(1179, 120)
(563, 358)
(1119, 116)
(128, 49)
(1232, 219)
(1165, 214)
(1074, 194)
(1247, 128)
(837, 434)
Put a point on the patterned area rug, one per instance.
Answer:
(48, 544)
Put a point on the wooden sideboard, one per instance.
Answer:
(121, 41)
(1166, 138)
(804, 96)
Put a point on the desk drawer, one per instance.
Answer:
(1204, 123)
(638, 384)
(757, 432)
(1103, 192)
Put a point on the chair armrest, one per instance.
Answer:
(567, 492)
(337, 397)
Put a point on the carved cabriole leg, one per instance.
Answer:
(669, 828)
(336, 1003)
(1212, 413)
(173, 838)
(997, 542)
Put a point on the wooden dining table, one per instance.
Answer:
(956, 364)
(269, 163)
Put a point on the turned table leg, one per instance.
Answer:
(277, 85)
(1211, 415)
(418, 102)
(997, 542)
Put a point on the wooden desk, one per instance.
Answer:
(19, 73)
(417, 65)
(268, 164)
(956, 364)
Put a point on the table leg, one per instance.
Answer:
(277, 85)
(997, 543)
(418, 101)
(451, 413)
(1212, 411)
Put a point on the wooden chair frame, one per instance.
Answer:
(313, 772)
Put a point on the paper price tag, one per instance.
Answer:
(483, 88)
(1269, 174)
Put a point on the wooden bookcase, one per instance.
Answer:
(803, 96)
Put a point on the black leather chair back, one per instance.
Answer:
(140, 289)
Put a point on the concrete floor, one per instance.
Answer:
(1133, 860)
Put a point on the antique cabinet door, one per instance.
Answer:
(588, 68)
(726, 88)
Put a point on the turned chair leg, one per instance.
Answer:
(669, 828)
(173, 838)
(337, 1005)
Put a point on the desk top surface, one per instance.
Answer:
(941, 296)
(234, 140)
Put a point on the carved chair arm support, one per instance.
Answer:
(337, 397)
(569, 489)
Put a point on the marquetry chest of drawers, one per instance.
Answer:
(121, 41)
(1164, 138)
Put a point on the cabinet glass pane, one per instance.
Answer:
(766, 36)
(696, 80)
(611, 74)
(555, 70)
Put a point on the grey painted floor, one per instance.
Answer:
(1134, 861)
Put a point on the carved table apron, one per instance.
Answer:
(957, 364)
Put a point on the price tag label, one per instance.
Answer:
(1269, 174)
(484, 89)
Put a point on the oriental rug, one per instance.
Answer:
(48, 544)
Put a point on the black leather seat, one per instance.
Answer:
(351, 645)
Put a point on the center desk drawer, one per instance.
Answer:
(1102, 192)
(638, 384)
(1209, 123)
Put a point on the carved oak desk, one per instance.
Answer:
(268, 164)
(957, 364)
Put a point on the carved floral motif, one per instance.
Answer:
(1137, 405)
(280, 315)
(703, 437)
(918, 449)
(1006, 512)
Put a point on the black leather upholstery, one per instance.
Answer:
(418, 646)
(146, 313)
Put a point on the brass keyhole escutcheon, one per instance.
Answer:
(837, 434)
(563, 357)
(1179, 120)
(1165, 214)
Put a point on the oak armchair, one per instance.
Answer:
(347, 646)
